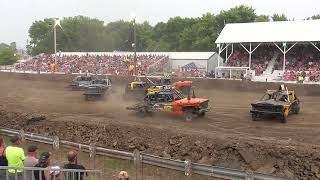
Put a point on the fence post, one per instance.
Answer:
(137, 159)
(249, 175)
(22, 135)
(56, 142)
(55, 147)
(188, 168)
(92, 154)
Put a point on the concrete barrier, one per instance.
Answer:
(220, 84)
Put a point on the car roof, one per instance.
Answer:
(138, 82)
(96, 85)
(160, 92)
(281, 92)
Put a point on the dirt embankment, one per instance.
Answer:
(228, 85)
(278, 158)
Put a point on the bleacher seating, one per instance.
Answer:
(103, 64)
(302, 59)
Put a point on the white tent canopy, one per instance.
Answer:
(271, 32)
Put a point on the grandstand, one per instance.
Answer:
(121, 63)
(271, 51)
(265, 51)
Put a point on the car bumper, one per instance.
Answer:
(265, 112)
(204, 110)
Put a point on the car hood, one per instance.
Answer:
(269, 102)
(192, 100)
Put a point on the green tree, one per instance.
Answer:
(238, 14)
(315, 17)
(119, 35)
(78, 33)
(82, 33)
(7, 56)
(279, 17)
(168, 34)
(13, 45)
(4, 45)
(144, 33)
(41, 37)
(200, 36)
(262, 18)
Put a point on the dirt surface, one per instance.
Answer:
(225, 137)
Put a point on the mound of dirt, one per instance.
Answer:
(278, 158)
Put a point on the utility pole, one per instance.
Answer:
(55, 43)
(135, 46)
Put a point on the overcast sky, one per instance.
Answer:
(16, 16)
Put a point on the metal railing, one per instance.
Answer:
(141, 158)
(21, 173)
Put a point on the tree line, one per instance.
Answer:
(83, 34)
(8, 54)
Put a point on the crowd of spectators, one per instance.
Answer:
(300, 60)
(303, 58)
(239, 59)
(259, 60)
(105, 64)
(14, 156)
(313, 76)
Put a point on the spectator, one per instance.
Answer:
(30, 161)
(106, 64)
(15, 157)
(123, 175)
(3, 159)
(73, 164)
(47, 174)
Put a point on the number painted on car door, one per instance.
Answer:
(167, 107)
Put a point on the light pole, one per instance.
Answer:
(134, 43)
(56, 23)
(55, 43)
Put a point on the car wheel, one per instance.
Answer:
(188, 115)
(284, 118)
(254, 117)
(201, 115)
(297, 110)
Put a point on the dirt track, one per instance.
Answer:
(226, 137)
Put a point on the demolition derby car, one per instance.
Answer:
(81, 82)
(136, 89)
(278, 103)
(98, 89)
(172, 102)
(139, 89)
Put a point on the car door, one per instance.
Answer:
(166, 102)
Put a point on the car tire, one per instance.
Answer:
(284, 118)
(188, 116)
(254, 117)
(202, 115)
(297, 110)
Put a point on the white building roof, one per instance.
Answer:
(283, 31)
(191, 55)
(172, 55)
